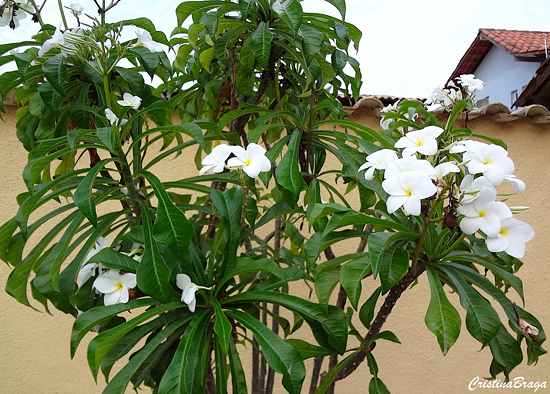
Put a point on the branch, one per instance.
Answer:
(380, 319)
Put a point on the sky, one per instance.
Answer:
(408, 47)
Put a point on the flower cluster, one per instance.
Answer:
(11, 12)
(466, 86)
(251, 160)
(411, 176)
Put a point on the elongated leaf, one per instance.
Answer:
(387, 335)
(171, 226)
(190, 7)
(229, 206)
(333, 324)
(101, 344)
(166, 337)
(82, 194)
(280, 356)
(506, 351)
(133, 79)
(441, 317)
(288, 171)
(56, 72)
(325, 283)
(88, 319)
(366, 313)
(482, 321)
(261, 43)
(390, 259)
(247, 265)
(351, 275)
(187, 371)
(329, 377)
(312, 41)
(222, 327)
(290, 12)
(238, 378)
(307, 350)
(376, 386)
(153, 275)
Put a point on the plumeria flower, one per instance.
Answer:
(76, 9)
(511, 238)
(409, 164)
(443, 169)
(484, 213)
(407, 190)
(470, 83)
(252, 160)
(89, 270)
(113, 119)
(378, 160)
(421, 141)
(130, 101)
(470, 187)
(56, 41)
(115, 286)
(146, 40)
(390, 107)
(490, 160)
(11, 15)
(189, 289)
(517, 184)
(215, 161)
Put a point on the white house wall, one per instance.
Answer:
(503, 75)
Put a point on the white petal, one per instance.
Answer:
(394, 202)
(112, 298)
(105, 285)
(497, 244)
(183, 281)
(129, 280)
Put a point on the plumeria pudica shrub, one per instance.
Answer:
(205, 263)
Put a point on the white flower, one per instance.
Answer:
(390, 107)
(517, 184)
(470, 83)
(76, 9)
(130, 101)
(215, 161)
(421, 141)
(470, 187)
(407, 190)
(252, 160)
(444, 169)
(56, 41)
(484, 213)
(89, 270)
(409, 164)
(114, 120)
(10, 17)
(115, 286)
(146, 40)
(511, 238)
(188, 290)
(378, 160)
(490, 160)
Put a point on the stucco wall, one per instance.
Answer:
(34, 352)
(502, 75)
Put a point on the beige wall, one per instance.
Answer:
(34, 352)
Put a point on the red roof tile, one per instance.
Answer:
(518, 41)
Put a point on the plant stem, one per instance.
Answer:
(453, 247)
(60, 4)
(317, 364)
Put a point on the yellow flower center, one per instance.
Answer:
(503, 231)
(487, 160)
(408, 192)
(420, 143)
(119, 285)
(481, 214)
(247, 162)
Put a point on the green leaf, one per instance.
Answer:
(246, 265)
(88, 319)
(210, 22)
(222, 327)
(388, 258)
(261, 43)
(290, 12)
(190, 7)
(376, 386)
(441, 317)
(82, 195)
(307, 350)
(288, 171)
(366, 313)
(187, 371)
(171, 225)
(108, 138)
(351, 275)
(373, 366)
(312, 41)
(329, 377)
(482, 321)
(114, 260)
(153, 275)
(325, 283)
(238, 378)
(164, 338)
(330, 329)
(100, 345)
(506, 351)
(133, 79)
(205, 57)
(280, 355)
(56, 72)
(387, 335)
(229, 205)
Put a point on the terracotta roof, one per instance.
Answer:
(521, 44)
